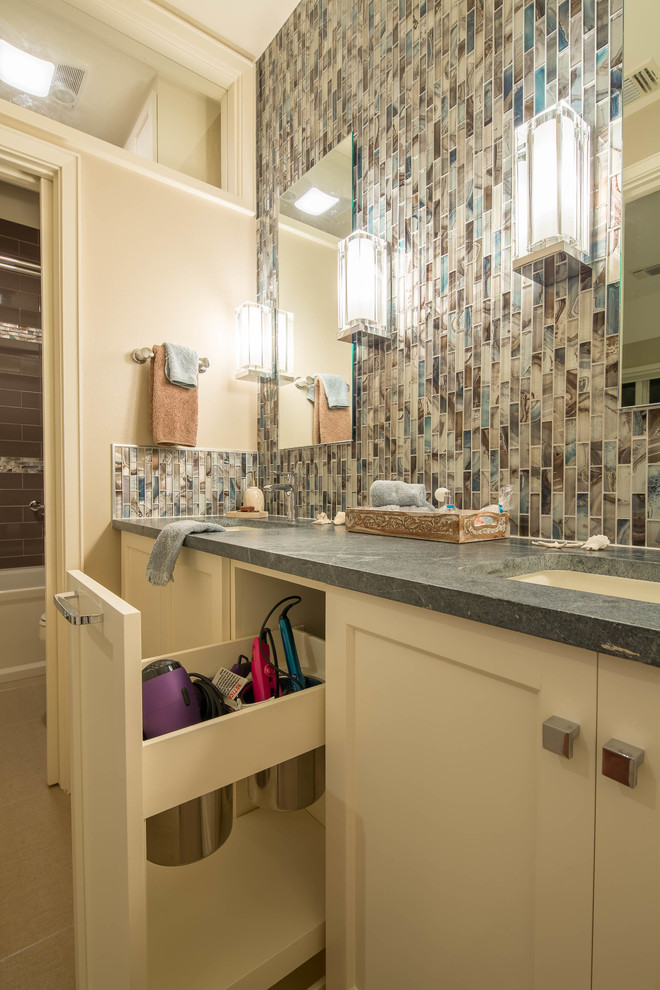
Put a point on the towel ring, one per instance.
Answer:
(143, 354)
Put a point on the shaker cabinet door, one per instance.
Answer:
(460, 851)
(627, 875)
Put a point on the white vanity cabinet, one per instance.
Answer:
(244, 917)
(460, 852)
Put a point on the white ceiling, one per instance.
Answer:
(246, 25)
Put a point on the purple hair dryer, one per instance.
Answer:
(169, 698)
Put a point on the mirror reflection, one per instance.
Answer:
(640, 269)
(315, 397)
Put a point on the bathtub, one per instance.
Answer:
(22, 600)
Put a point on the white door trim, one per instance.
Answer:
(25, 160)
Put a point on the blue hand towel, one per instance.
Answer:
(181, 365)
(397, 493)
(336, 391)
(168, 544)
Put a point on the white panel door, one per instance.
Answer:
(460, 852)
(107, 819)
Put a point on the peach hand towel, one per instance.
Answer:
(330, 425)
(173, 410)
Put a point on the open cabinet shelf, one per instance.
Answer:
(244, 917)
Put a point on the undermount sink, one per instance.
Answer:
(595, 584)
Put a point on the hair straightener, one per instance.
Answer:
(265, 671)
(290, 651)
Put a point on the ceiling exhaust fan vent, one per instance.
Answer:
(642, 82)
(67, 84)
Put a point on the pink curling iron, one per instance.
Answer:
(264, 680)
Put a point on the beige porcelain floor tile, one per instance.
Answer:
(38, 686)
(22, 760)
(18, 705)
(36, 887)
(48, 965)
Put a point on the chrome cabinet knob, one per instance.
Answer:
(621, 762)
(559, 735)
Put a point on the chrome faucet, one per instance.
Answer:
(288, 487)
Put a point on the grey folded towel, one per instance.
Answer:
(398, 493)
(336, 391)
(181, 365)
(408, 508)
(168, 543)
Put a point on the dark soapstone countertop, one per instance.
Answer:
(466, 580)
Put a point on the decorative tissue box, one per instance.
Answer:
(456, 526)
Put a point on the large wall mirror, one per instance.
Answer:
(313, 216)
(640, 269)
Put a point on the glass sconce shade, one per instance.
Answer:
(362, 285)
(552, 187)
(254, 347)
(284, 321)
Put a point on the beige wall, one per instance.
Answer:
(188, 132)
(156, 264)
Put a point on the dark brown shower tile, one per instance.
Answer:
(10, 548)
(20, 530)
(9, 431)
(9, 314)
(24, 383)
(32, 480)
(31, 433)
(24, 560)
(11, 448)
(19, 414)
(9, 397)
(10, 514)
(34, 545)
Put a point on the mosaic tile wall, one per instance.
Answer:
(488, 380)
(177, 481)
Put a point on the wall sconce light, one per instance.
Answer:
(552, 192)
(254, 347)
(284, 321)
(362, 285)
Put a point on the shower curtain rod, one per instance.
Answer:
(16, 265)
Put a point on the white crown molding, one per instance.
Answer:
(641, 178)
(158, 28)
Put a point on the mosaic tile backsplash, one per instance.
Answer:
(489, 379)
(177, 481)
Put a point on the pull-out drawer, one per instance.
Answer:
(270, 867)
(181, 765)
